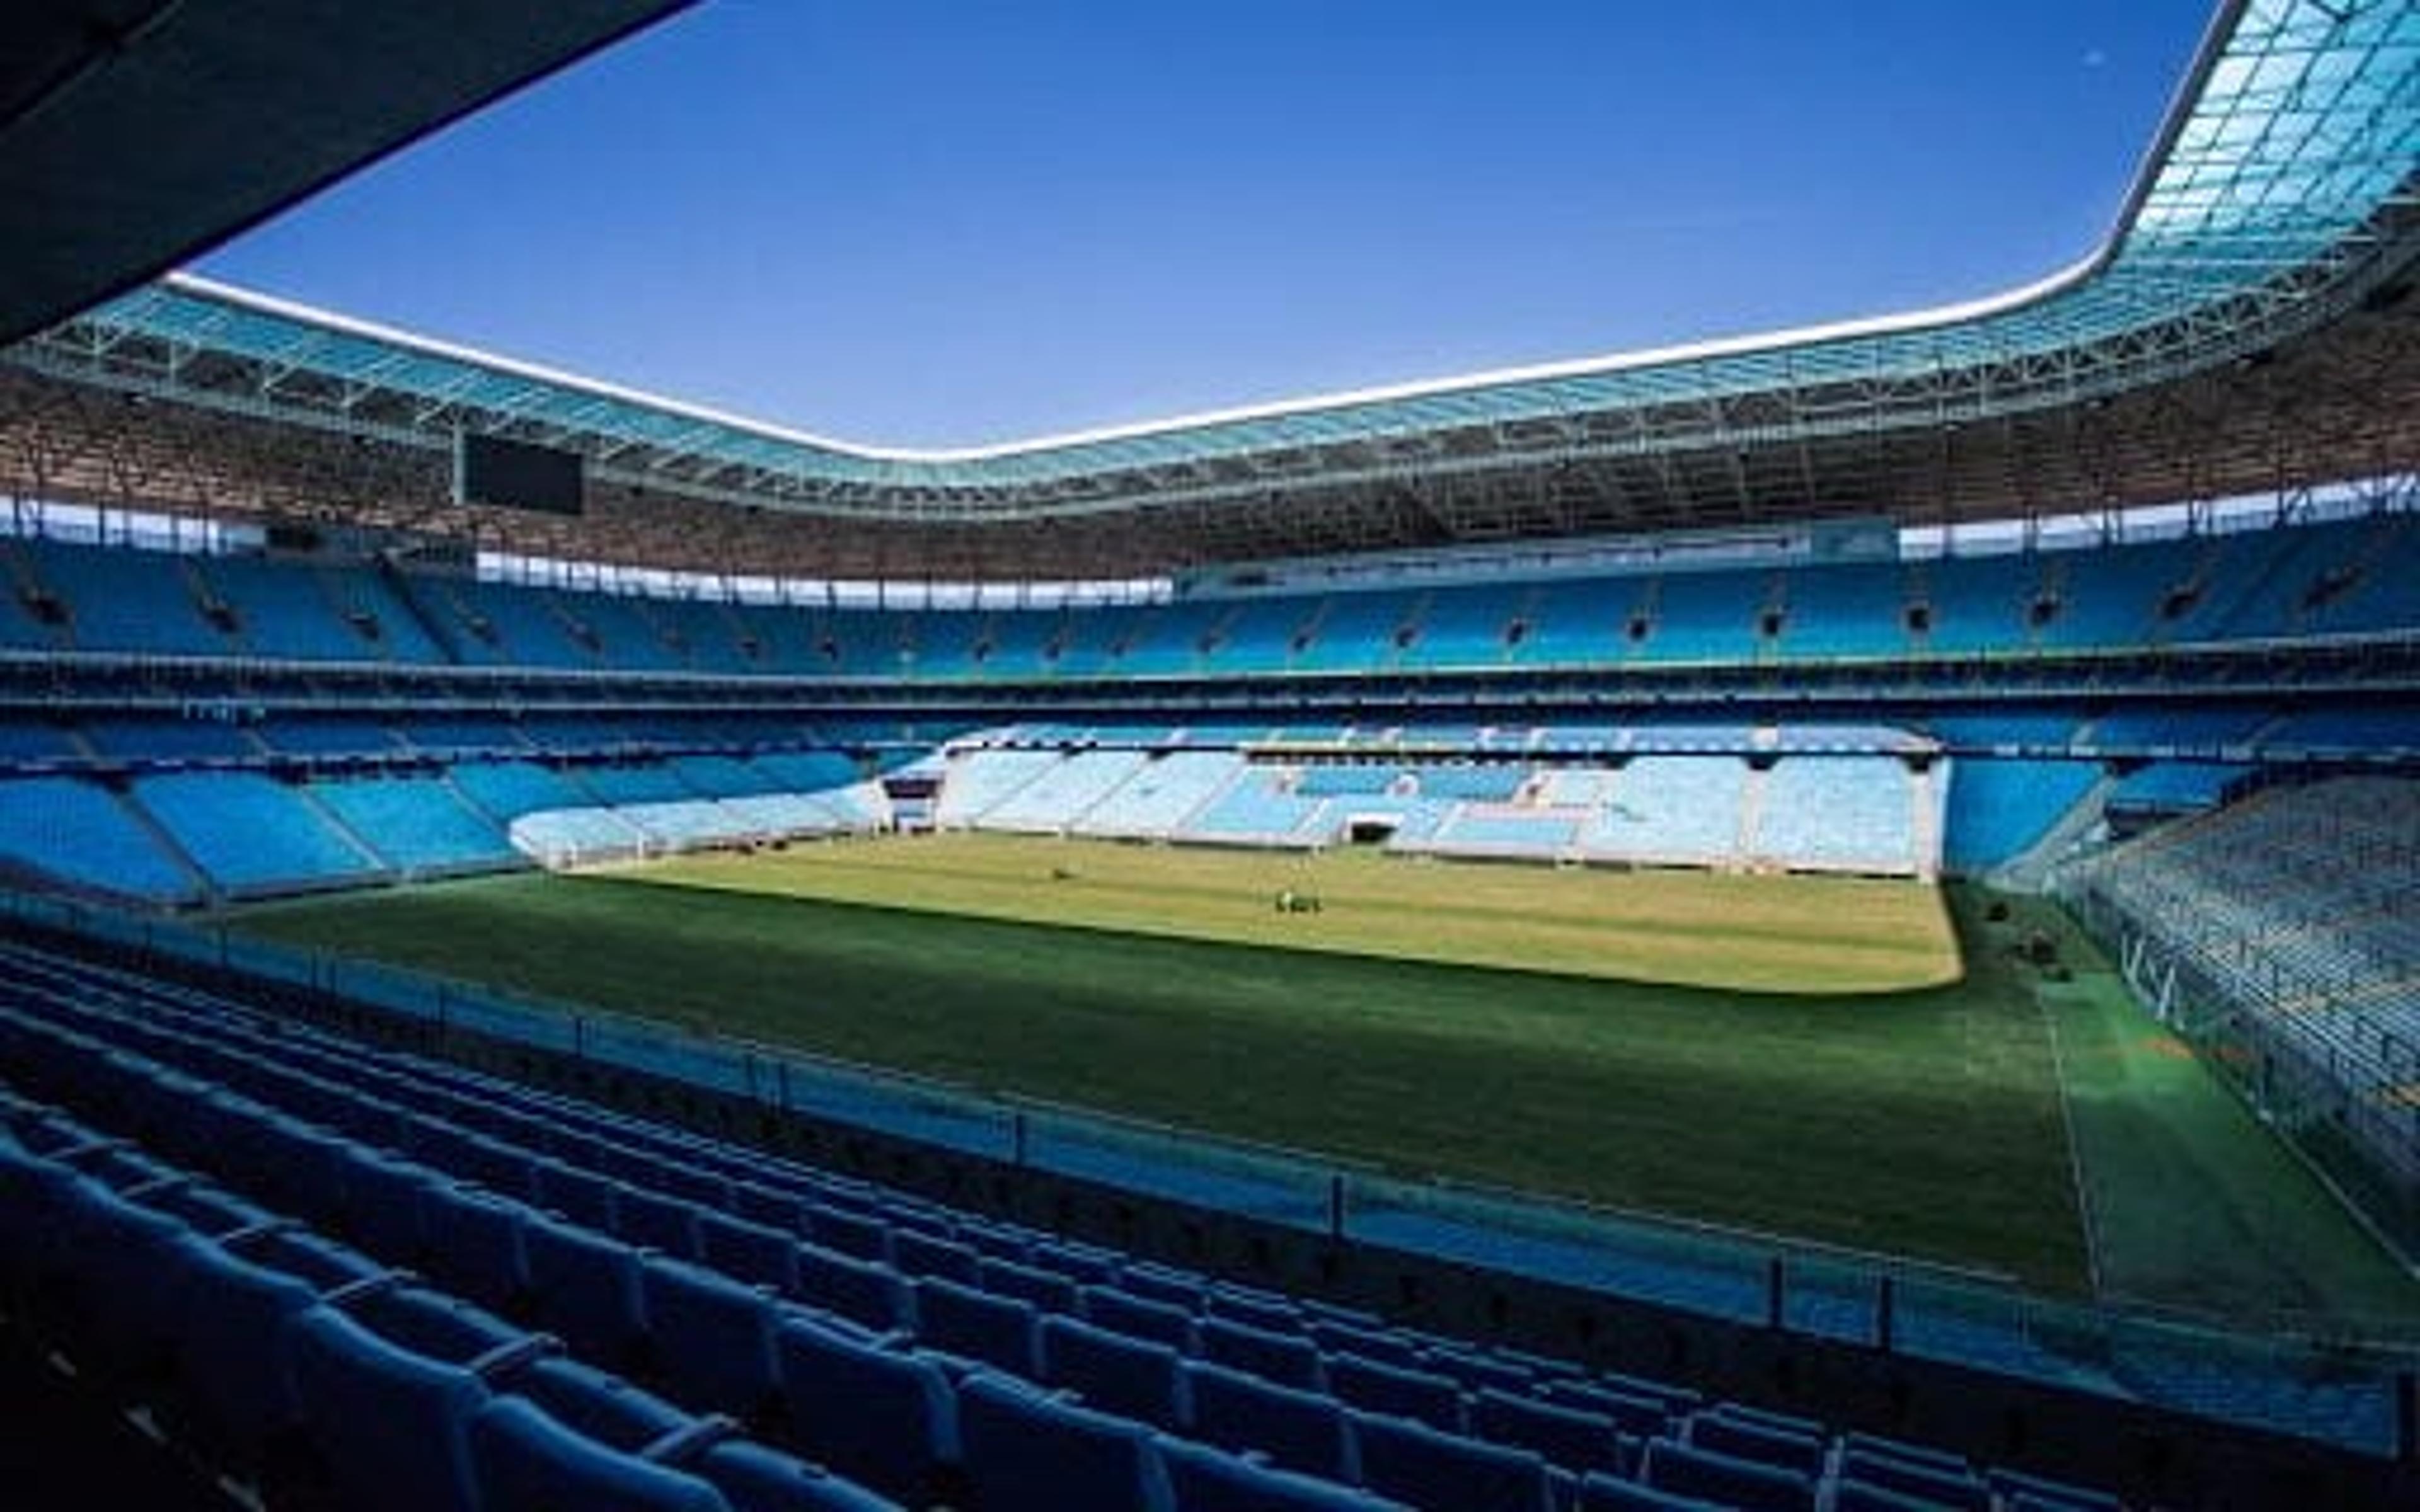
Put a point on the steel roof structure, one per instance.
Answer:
(2246, 327)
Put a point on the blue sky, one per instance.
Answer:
(921, 223)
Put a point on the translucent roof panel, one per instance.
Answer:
(2297, 134)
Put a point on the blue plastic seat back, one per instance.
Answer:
(1202, 1479)
(112, 1253)
(1939, 1478)
(390, 1428)
(1139, 1318)
(433, 1323)
(755, 1253)
(520, 1457)
(1134, 1378)
(867, 1292)
(1288, 1359)
(1404, 1459)
(1567, 1437)
(1601, 1492)
(596, 1403)
(1046, 1290)
(1853, 1493)
(386, 1199)
(753, 1478)
(1724, 1432)
(1421, 1394)
(235, 1388)
(874, 1415)
(1299, 1429)
(651, 1221)
(1641, 1417)
(477, 1244)
(1029, 1452)
(586, 1288)
(1750, 1486)
(574, 1194)
(928, 1256)
(712, 1338)
(975, 1325)
(848, 1233)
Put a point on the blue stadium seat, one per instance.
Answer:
(1724, 1430)
(1851, 1493)
(597, 1403)
(1567, 1437)
(390, 1429)
(969, 1324)
(1610, 1493)
(650, 1221)
(1671, 1466)
(751, 1251)
(1287, 1359)
(1029, 1452)
(874, 1415)
(1914, 1470)
(1400, 1458)
(1140, 1318)
(753, 1478)
(848, 1233)
(1420, 1394)
(1046, 1290)
(712, 1338)
(1635, 1412)
(235, 1391)
(867, 1292)
(1202, 1479)
(433, 1324)
(478, 1243)
(585, 1288)
(1134, 1377)
(926, 1255)
(522, 1457)
(1299, 1429)
(574, 1194)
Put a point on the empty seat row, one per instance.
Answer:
(697, 1266)
(305, 1367)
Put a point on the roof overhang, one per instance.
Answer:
(2269, 236)
(136, 133)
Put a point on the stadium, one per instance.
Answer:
(1800, 922)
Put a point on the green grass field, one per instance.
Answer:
(1800, 935)
(1650, 1068)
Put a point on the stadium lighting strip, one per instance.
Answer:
(2276, 195)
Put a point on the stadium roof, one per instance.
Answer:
(135, 133)
(2244, 328)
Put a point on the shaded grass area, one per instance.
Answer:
(1792, 933)
(1922, 1122)
(2194, 1203)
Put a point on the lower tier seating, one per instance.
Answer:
(398, 1284)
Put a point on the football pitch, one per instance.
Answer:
(1918, 1090)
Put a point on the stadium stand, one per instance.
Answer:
(347, 1275)
(305, 1168)
(1159, 798)
(2287, 915)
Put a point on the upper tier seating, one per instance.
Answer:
(2342, 578)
